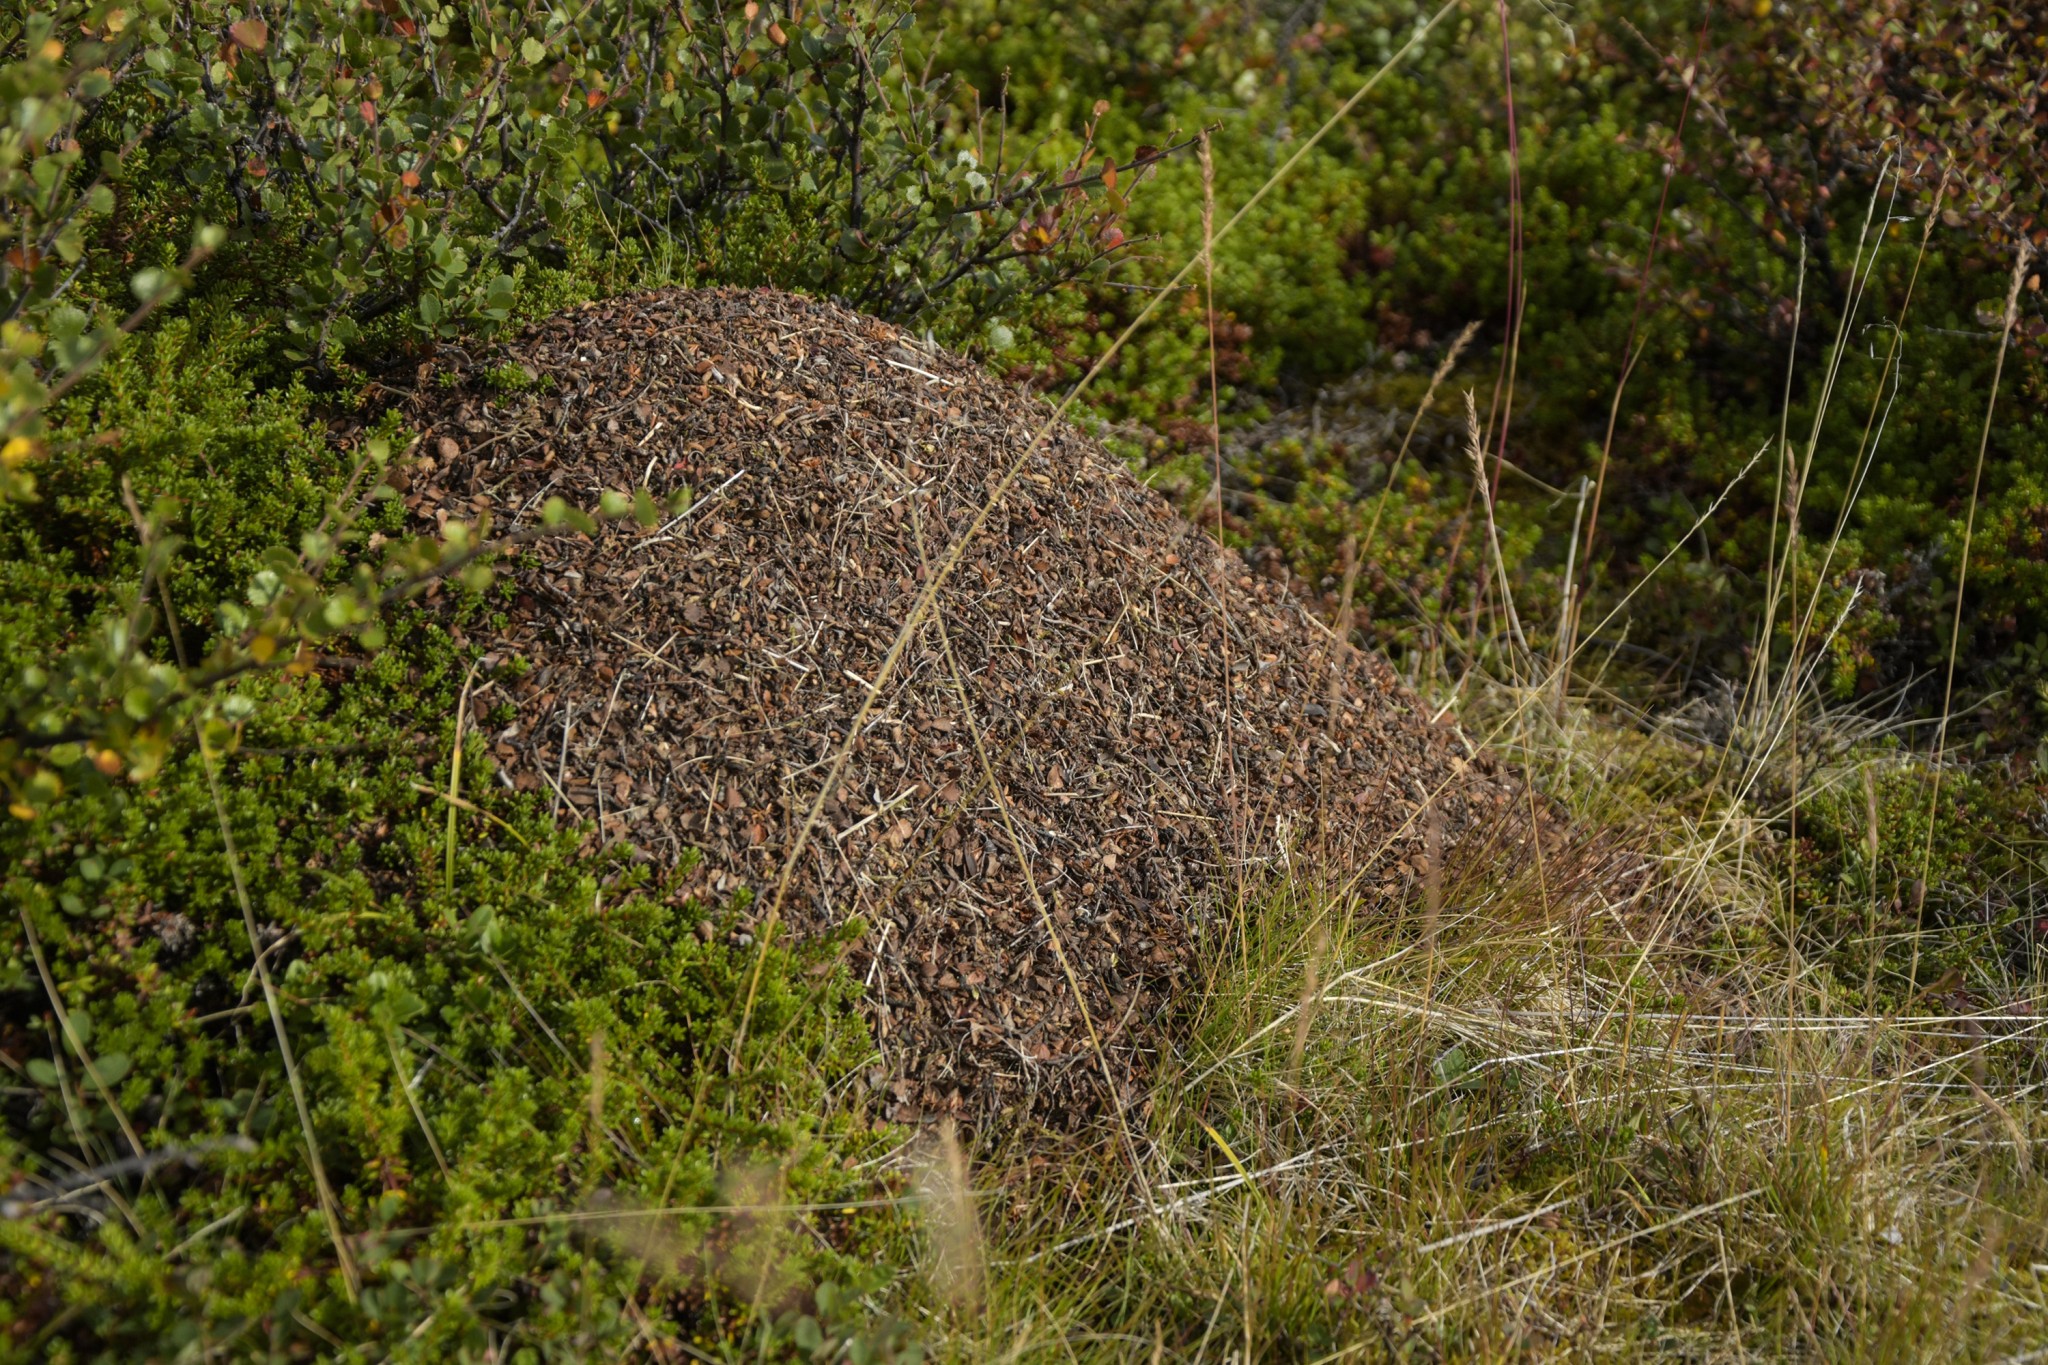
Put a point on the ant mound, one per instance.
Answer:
(1099, 728)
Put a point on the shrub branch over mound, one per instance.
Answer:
(1058, 732)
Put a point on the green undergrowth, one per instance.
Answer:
(488, 1063)
(1340, 294)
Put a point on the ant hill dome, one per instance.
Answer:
(1104, 735)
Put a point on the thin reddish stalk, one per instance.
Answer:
(1630, 352)
(1501, 405)
(1518, 293)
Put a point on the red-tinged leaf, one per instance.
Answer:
(1356, 1281)
(752, 10)
(1109, 175)
(256, 167)
(368, 111)
(594, 98)
(408, 27)
(250, 34)
(776, 35)
(411, 180)
(1112, 238)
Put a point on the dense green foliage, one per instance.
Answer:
(444, 1033)
(373, 163)
(1396, 232)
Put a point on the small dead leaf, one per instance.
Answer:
(1357, 1280)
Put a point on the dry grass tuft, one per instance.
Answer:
(1556, 1122)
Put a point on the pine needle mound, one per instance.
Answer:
(693, 682)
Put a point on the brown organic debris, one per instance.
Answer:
(692, 682)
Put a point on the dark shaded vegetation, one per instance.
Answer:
(1782, 136)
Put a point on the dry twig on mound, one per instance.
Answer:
(693, 681)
